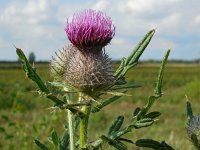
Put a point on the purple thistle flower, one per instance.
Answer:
(90, 29)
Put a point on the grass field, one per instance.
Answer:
(24, 115)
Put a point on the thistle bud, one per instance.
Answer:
(90, 29)
(194, 130)
(86, 73)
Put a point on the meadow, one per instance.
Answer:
(25, 116)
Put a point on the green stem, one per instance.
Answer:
(84, 125)
(70, 125)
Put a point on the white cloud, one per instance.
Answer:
(101, 5)
(39, 24)
(197, 19)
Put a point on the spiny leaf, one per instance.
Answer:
(189, 109)
(116, 125)
(40, 145)
(158, 91)
(132, 60)
(31, 73)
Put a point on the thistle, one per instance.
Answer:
(83, 63)
(90, 30)
(193, 130)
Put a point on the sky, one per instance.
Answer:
(38, 26)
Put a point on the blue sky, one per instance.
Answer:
(38, 26)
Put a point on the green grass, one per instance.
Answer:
(25, 116)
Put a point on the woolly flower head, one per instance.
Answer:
(194, 130)
(87, 73)
(90, 29)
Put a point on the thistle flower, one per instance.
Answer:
(90, 29)
(194, 130)
(83, 64)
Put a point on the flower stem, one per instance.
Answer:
(84, 126)
(70, 125)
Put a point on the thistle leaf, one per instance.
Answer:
(40, 145)
(148, 143)
(116, 125)
(143, 123)
(158, 91)
(153, 114)
(31, 73)
(189, 109)
(131, 61)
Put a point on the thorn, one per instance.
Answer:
(187, 98)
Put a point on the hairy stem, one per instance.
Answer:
(84, 125)
(70, 124)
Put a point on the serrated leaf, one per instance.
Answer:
(116, 125)
(158, 91)
(31, 73)
(55, 139)
(132, 60)
(153, 114)
(41, 145)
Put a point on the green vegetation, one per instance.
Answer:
(24, 116)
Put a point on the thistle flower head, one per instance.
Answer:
(86, 73)
(90, 29)
(194, 130)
